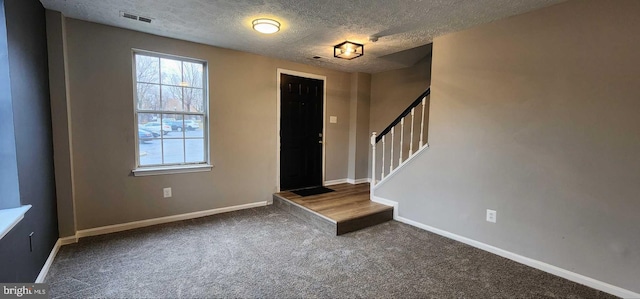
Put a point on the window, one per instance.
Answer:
(171, 111)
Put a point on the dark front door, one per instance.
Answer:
(300, 132)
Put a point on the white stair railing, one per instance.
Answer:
(382, 168)
(412, 121)
(391, 157)
(375, 140)
(424, 100)
(401, 140)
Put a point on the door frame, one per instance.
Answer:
(279, 72)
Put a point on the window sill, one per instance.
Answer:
(147, 171)
(10, 217)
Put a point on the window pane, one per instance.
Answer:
(152, 123)
(144, 119)
(149, 143)
(192, 74)
(176, 123)
(171, 71)
(150, 152)
(167, 130)
(195, 150)
(171, 98)
(172, 88)
(193, 126)
(147, 69)
(193, 100)
(148, 96)
(173, 150)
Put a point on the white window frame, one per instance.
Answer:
(143, 170)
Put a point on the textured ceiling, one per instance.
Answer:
(309, 27)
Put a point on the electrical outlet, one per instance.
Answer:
(492, 216)
(167, 192)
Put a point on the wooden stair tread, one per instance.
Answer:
(355, 208)
(340, 192)
(333, 203)
(349, 207)
(359, 212)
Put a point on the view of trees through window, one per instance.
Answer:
(171, 110)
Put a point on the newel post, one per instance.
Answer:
(373, 161)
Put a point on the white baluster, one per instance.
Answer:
(413, 112)
(401, 139)
(373, 161)
(382, 166)
(422, 123)
(393, 129)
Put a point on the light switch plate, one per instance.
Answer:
(333, 119)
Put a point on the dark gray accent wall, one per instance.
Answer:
(9, 192)
(27, 49)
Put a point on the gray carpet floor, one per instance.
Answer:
(266, 253)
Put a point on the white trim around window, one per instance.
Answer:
(171, 114)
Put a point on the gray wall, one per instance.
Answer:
(359, 126)
(391, 93)
(27, 44)
(60, 111)
(536, 116)
(243, 128)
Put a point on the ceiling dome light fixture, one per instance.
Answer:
(266, 26)
(348, 50)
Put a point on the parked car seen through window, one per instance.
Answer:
(171, 106)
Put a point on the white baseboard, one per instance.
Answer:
(68, 240)
(358, 181)
(575, 277)
(383, 201)
(335, 182)
(144, 223)
(347, 181)
(45, 269)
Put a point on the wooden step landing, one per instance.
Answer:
(347, 209)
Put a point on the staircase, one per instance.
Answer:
(350, 207)
(385, 161)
